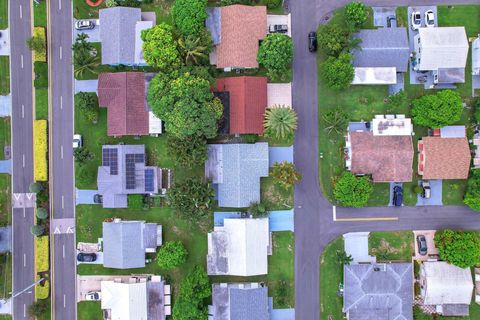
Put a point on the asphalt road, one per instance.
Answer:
(314, 220)
(61, 159)
(22, 152)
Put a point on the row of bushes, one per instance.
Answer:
(42, 290)
(42, 265)
(40, 150)
(40, 55)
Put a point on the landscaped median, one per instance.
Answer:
(42, 266)
(40, 150)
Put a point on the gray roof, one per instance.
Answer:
(117, 34)
(459, 310)
(237, 169)
(113, 186)
(240, 301)
(378, 291)
(383, 47)
(214, 24)
(125, 243)
(156, 300)
(451, 75)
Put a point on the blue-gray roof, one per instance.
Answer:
(372, 291)
(237, 169)
(125, 243)
(383, 47)
(117, 33)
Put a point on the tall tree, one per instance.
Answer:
(160, 47)
(332, 39)
(336, 120)
(189, 151)
(460, 248)
(192, 49)
(472, 195)
(285, 174)
(280, 122)
(171, 255)
(276, 55)
(338, 72)
(355, 14)
(192, 197)
(352, 191)
(439, 110)
(189, 16)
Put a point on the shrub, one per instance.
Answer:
(284, 174)
(41, 74)
(41, 213)
(189, 151)
(87, 104)
(42, 290)
(171, 255)
(472, 195)
(249, 138)
(38, 308)
(276, 55)
(460, 248)
(40, 150)
(41, 254)
(190, 15)
(437, 110)
(38, 44)
(35, 187)
(258, 210)
(192, 197)
(338, 72)
(332, 39)
(135, 201)
(476, 107)
(82, 155)
(355, 14)
(272, 4)
(418, 189)
(352, 191)
(37, 230)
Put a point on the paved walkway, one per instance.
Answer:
(6, 166)
(85, 196)
(5, 106)
(5, 42)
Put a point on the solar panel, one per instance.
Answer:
(130, 171)
(139, 158)
(110, 159)
(149, 175)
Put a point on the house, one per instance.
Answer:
(445, 155)
(443, 51)
(248, 101)
(447, 287)
(137, 298)
(239, 301)
(239, 248)
(235, 171)
(120, 32)
(382, 54)
(126, 242)
(378, 291)
(123, 172)
(236, 32)
(381, 148)
(123, 94)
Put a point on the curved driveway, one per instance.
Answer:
(314, 224)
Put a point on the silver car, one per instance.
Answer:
(84, 25)
(416, 20)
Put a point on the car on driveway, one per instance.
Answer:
(97, 198)
(426, 192)
(93, 296)
(416, 20)
(429, 18)
(84, 25)
(422, 244)
(391, 22)
(77, 141)
(397, 196)
(312, 41)
(278, 28)
(86, 257)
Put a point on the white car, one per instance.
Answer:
(429, 18)
(416, 20)
(93, 296)
(84, 24)
(77, 141)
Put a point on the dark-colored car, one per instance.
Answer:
(391, 21)
(312, 41)
(278, 28)
(98, 198)
(397, 196)
(86, 257)
(422, 244)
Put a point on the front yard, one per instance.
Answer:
(4, 75)
(391, 246)
(331, 275)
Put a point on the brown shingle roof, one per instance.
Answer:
(386, 158)
(248, 101)
(241, 29)
(123, 93)
(446, 158)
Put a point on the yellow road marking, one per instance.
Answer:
(368, 219)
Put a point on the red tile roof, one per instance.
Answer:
(241, 29)
(123, 93)
(445, 158)
(248, 101)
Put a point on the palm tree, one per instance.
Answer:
(335, 120)
(192, 50)
(85, 63)
(280, 121)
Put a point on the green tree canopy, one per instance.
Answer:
(437, 110)
(192, 197)
(37, 230)
(332, 39)
(191, 303)
(355, 14)
(85, 56)
(82, 155)
(189, 151)
(171, 255)
(284, 174)
(186, 104)
(258, 210)
(276, 55)
(37, 43)
(195, 48)
(472, 195)
(352, 191)
(189, 16)
(460, 248)
(86, 103)
(42, 213)
(338, 72)
(280, 122)
(160, 47)
(35, 187)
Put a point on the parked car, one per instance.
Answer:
(391, 21)
(77, 141)
(86, 257)
(429, 19)
(422, 79)
(278, 28)
(422, 244)
(312, 41)
(84, 25)
(93, 296)
(416, 20)
(397, 196)
(426, 189)
(97, 198)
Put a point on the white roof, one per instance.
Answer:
(476, 56)
(139, 26)
(392, 127)
(377, 75)
(446, 283)
(125, 300)
(445, 47)
(154, 124)
(453, 132)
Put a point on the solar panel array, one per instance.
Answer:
(110, 159)
(130, 160)
(149, 175)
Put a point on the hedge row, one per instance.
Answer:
(40, 150)
(40, 31)
(42, 292)
(41, 254)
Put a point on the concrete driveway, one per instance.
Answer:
(98, 261)
(435, 195)
(85, 196)
(86, 85)
(93, 34)
(380, 15)
(432, 251)
(86, 284)
(356, 245)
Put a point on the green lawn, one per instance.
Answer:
(380, 195)
(391, 246)
(3, 14)
(5, 275)
(40, 14)
(274, 196)
(4, 75)
(89, 310)
(5, 204)
(453, 191)
(460, 15)
(41, 104)
(41, 74)
(331, 275)
(4, 135)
